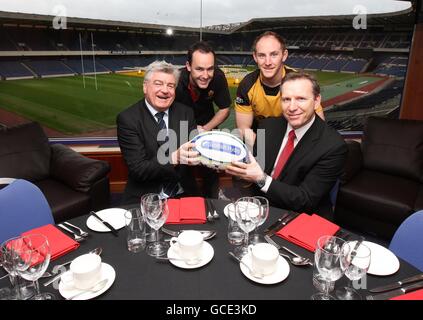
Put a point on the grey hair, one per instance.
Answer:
(161, 66)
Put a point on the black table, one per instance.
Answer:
(139, 276)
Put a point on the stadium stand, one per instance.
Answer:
(30, 48)
(46, 68)
(14, 70)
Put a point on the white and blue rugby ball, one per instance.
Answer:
(218, 149)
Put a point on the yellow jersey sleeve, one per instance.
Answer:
(243, 108)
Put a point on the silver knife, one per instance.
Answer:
(275, 226)
(106, 224)
(397, 284)
(396, 292)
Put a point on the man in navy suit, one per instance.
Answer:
(304, 157)
(153, 136)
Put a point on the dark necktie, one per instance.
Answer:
(284, 156)
(161, 124)
(171, 188)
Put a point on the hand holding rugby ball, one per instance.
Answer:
(218, 149)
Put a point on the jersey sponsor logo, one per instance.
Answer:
(239, 100)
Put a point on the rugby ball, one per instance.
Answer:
(218, 149)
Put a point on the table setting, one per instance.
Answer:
(212, 273)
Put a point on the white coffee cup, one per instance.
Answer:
(85, 271)
(188, 244)
(264, 258)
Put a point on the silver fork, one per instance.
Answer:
(75, 236)
(81, 232)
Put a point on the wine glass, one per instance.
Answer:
(355, 265)
(327, 257)
(156, 211)
(264, 207)
(33, 262)
(248, 215)
(8, 259)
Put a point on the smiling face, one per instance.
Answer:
(299, 102)
(270, 56)
(201, 69)
(159, 90)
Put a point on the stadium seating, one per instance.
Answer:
(14, 69)
(383, 183)
(49, 68)
(73, 184)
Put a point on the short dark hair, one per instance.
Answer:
(201, 46)
(292, 76)
(270, 34)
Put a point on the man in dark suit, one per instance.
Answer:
(304, 157)
(153, 135)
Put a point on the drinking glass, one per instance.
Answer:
(264, 207)
(135, 229)
(150, 234)
(355, 265)
(235, 233)
(156, 211)
(247, 214)
(327, 257)
(9, 261)
(34, 260)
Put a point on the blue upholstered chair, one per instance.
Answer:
(408, 240)
(22, 208)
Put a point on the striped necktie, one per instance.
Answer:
(161, 123)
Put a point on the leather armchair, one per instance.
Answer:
(72, 184)
(383, 180)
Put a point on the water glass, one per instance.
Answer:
(135, 227)
(355, 265)
(321, 284)
(235, 233)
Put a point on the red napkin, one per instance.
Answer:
(60, 243)
(415, 295)
(305, 230)
(190, 210)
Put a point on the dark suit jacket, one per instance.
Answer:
(311, 171)
(137, 135)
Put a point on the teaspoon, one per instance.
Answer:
(96, 287)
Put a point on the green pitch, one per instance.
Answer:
(65, 105)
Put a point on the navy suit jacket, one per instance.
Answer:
(137, 131)
(311, 171)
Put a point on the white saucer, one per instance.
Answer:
(67, 290)
(114, 216)
(282, 271)
(226, 210)
(206, 257)
(382, 261)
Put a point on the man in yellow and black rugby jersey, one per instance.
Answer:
(258, 94)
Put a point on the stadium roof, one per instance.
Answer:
(46, 20)
(405, 17)
(400, 18)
